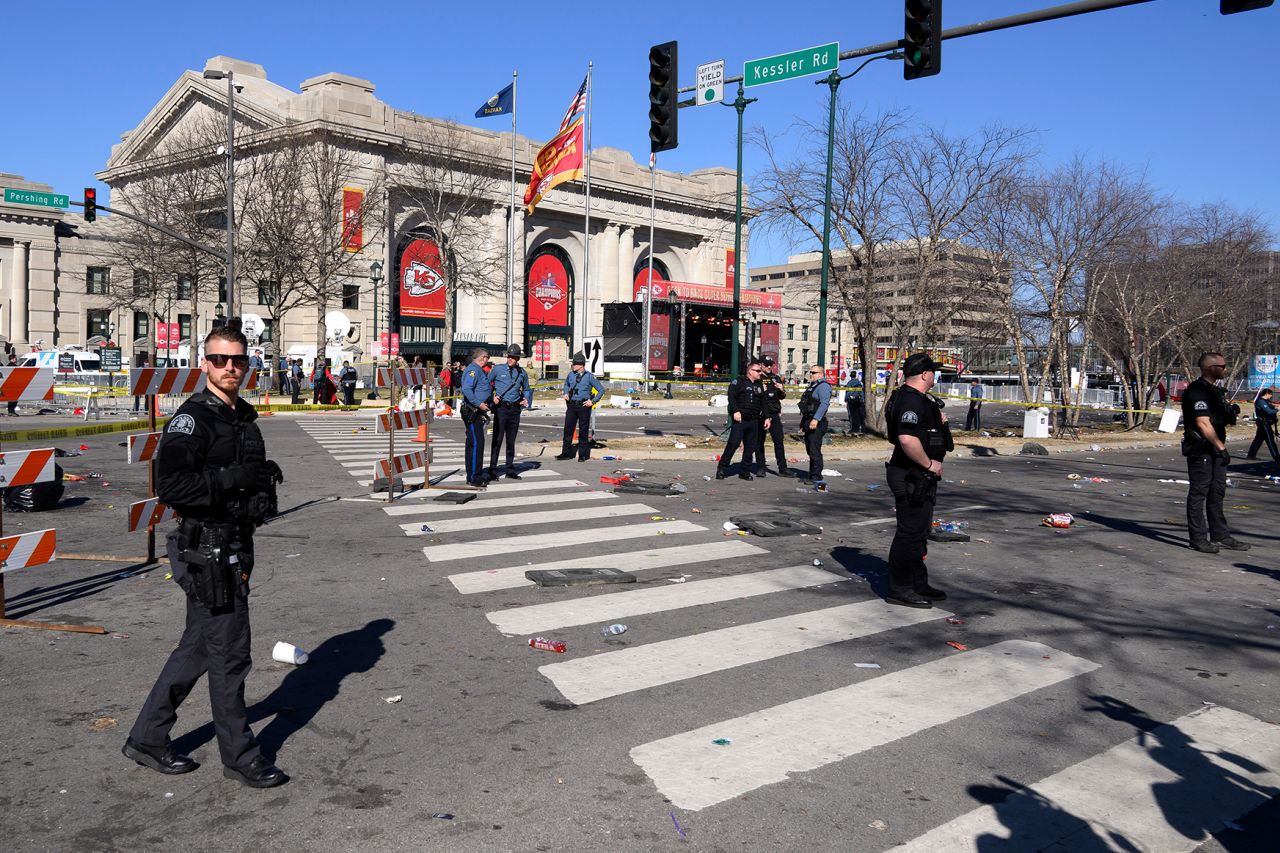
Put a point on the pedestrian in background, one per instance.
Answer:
(298, 378)
(747, 412)
(1264, 417)
(814, 403)
(973, 420)
(856, 405)
(1205, 418)
(579, 390)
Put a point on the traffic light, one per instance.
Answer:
(90, 204)
(1230, 7)
(922, 39)
(662, 97)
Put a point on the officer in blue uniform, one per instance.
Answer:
(510, 397)
(477, 394)
(577, 389)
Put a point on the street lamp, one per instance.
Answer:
(833, 80)
(219, 315)
(704, 351)
(375, 276)
(213, 74)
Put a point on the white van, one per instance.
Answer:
(86, 362)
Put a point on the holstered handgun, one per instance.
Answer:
(923, 486)
(212, 563)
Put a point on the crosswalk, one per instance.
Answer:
(689, 572)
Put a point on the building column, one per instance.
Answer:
(626, 256)
(18, 294)
(609, 242)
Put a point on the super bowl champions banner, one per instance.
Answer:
(422, 281)
(549, 288)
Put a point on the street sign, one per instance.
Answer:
(66, 362)
(111, 360)
(593, 349)
(711, 83)
(786, 66)
(39, 199)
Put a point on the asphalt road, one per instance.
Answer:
(1118, 691)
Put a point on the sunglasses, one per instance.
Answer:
(814, 372)
(219, 360)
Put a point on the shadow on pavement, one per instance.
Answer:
(1033, 818)
(44, 597)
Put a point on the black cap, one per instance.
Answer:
(579, 358)
(767, 361)
(918, 363)
(513, 351)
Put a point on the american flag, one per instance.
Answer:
(579, 104)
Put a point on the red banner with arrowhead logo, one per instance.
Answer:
(422, 281)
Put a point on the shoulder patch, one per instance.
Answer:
(1202, 405)
(909, 417)
(182, 423)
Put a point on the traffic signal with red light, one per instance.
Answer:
(662, 97)
(922, 39)
(90, 204)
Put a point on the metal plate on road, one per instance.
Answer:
(710, 83)
(578, 577)
(786, 66)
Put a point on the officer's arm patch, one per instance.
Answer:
(182, 423)
(909, 417)
(1202, 405)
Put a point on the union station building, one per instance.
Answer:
(61, 283)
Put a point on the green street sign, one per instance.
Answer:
(785, 66)
(12, 196)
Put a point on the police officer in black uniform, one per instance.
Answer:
(747, 408)
(213, 470)
(774, 392)
(921, 438)
(1205, 418)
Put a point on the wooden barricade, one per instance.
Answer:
(148, 513)
(143, 446)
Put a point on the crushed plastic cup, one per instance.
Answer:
(289, 653)
(729, 525)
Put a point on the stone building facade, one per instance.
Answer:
(56, 277)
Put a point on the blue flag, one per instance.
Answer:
(499, 105)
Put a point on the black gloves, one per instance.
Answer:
(243, 477)
(1224, 455)
(269, 474)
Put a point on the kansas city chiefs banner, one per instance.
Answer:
(769, 341)
(558, 161)
(547, 298)
(642, 279)
(352, 219)
(422, 281)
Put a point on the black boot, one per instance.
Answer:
(164, 761)
(259, 773)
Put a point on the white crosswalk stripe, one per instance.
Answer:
(521, 519)
(769, 745)
(619, 605)
(502, 486)
(488, 580)
(483, 505)
(557, 540)
(613, 673)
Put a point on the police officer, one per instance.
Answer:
(298, 378)
(856, 404)
(576, 392)
(214, 472)
(477, 394)
(774, 392)
(814, 403)
(347, 379)
(747, 410)
(921, 438)
(510, 389)
(1205, 418)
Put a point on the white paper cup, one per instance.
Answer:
(289, 653)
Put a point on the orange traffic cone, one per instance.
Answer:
(422, 435)
(266, 407)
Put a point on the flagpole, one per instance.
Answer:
(511, 225)
(586, 233)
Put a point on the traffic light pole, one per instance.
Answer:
(740, 104)
(217, 253)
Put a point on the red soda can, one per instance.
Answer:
(547, 645)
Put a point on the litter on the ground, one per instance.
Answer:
(442, 816)
(831, 472)
(960, 647)
(817, 563)
(953, 620)
(878, 824)
(392, 700)
(1058, 519)
(614, 629)
(543, 644)
(103, 723)
(695, 509)
(871, 487)
(729, 525)
(1179, 482)
(680, 445)
(722, 741)
(677, 823)
(949, 526)
(867, 665)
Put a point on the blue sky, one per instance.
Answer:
(1170, 88)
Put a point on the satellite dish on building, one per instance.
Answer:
(336, 325)
(251, 325)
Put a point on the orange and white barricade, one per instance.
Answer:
(28, 549)
(143, 445)
(391, 421)
(401, 464)
(404, 376)
(24, 467)
(176, 380)
(26, 383)
(145, 513)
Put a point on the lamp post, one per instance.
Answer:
(375, 276)
(833, 80)
(704, 350)
(219, 315)
(213, 74)
(740, 104)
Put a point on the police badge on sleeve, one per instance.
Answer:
(182, 423)
(909, 417)
(1201, 406)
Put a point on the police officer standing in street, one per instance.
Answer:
(1205, 418)
(921, 438)
(747, 410)
(347, 379)
(477, 394)
(576, 392)
(510, 387)
(213, 471)
(774, 392)
(814, 403)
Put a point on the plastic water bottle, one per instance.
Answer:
(547, 645)
(614, 629)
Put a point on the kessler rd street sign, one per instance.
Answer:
(786, 66)
(39, 199)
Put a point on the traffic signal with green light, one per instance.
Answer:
(922, 39)
(90, 204)
(662, 97)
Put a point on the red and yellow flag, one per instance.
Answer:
(558, 161)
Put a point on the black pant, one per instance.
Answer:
(1266, 433)
(857, 416)
(216, 642)
(775, 432)
(973, 420)
(907, 570)
(506, 423)
(1208, 476)
(578, 416)
(813, 446)
(746, 433)
(348, 393)
(296, 387)
(472, 420)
